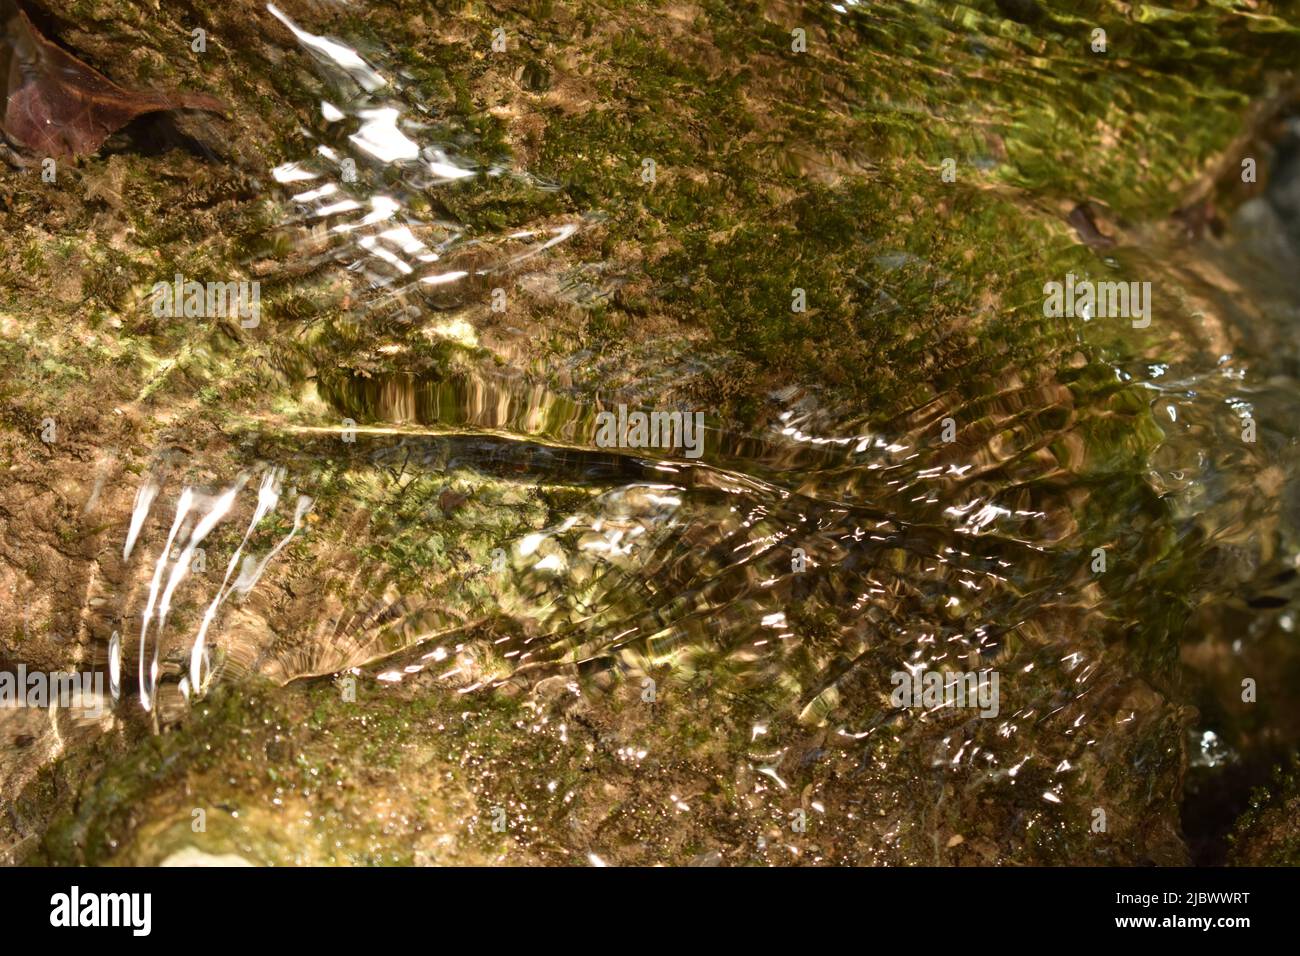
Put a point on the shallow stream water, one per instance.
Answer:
(1104, 537)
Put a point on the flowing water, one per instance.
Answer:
(450, 527)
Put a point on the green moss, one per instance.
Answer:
(774, 171)
(1268, 833)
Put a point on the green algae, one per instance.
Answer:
(1267, 834)
(775, 171)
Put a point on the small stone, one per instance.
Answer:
(193, 856)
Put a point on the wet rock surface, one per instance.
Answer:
(1267, 834)
(612, 649)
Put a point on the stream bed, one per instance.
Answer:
(374, 566)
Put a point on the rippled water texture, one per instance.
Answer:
(394, 481)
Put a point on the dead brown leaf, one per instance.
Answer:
(57, 106)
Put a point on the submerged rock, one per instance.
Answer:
(462, 265)
(1268, 834)
(190, 856)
